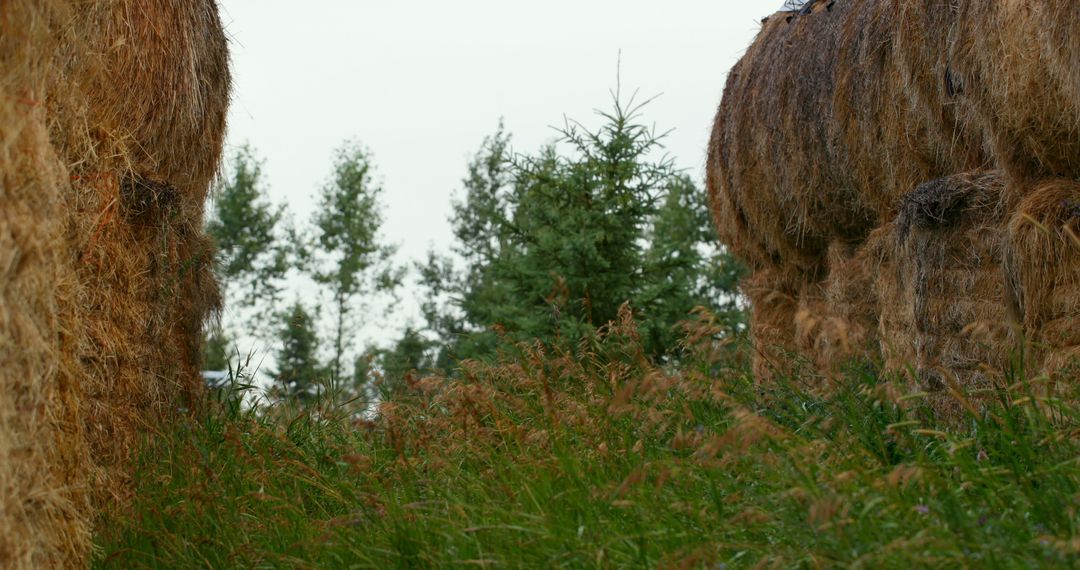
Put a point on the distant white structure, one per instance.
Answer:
(216, 378)
(794, 5)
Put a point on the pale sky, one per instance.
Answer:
(421, 83)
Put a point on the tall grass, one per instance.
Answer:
(594, 457)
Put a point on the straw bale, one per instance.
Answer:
(146, 288)
(162, 90)
(42, 458)
(1058, 30)
(825, 322)
(923, 38)
(828, 121)
(817, 329)
(773, 305)
(1020, 67)
(836, 113)
(1042, 263)
(1061, 332)
(837, 318)
(44, 507)
(112, 114)
(896, 320)
(945, 287)
(849, 287)
(156, 99)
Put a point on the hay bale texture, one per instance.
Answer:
(1042, 262)
(44, 509)
(837, 318)
(945, 286)
(773, 302)
(825, 123)
(1019, 64)
(836, 113)
(818, 123)
(155, 105)
(112, 116)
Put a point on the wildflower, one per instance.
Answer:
(922, 509)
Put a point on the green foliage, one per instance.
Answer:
(253, 252)
(408, 355)
(683, 268)
(350, 258)
(388, 371)
(217, 349)
(598, 457)
(459, 304)
(553, 244)
(298, 370)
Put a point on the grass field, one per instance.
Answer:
(596, 458)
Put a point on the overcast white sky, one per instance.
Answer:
(421, 83)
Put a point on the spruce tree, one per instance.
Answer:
(408, 356)
(298, 370)
(550, 245)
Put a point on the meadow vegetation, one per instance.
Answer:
(593, 455)
(553, 416)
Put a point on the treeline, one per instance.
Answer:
(548, 246)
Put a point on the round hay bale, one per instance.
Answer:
(837, 112)
(1058, 33)
(773, 305)
(161, 89)
(946, 287)
(935, 89)
(1019, 63)
(817, 330)
(156, 94)
(112, 115)
(44, 507)
(1042, 263)
(896, 320)
(837, 319)
(820, 131)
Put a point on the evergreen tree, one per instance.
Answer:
(685, 268)
(460, 303)
(216, 350)
(552, 244)
(298, 369)
(253, 252)
(409, 356)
